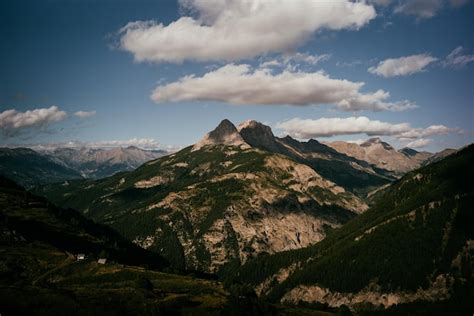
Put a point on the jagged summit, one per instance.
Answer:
(225, 133)
(258, 135)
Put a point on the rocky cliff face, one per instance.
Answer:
(259, 135)
(218, 202)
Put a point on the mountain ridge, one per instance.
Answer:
(220, 202)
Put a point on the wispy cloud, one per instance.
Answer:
(256, 28)
(13, 122)
(243, 84)
(352, 63)
(422, 9)
(402, 66)
(457, 59)
(294, 61)
(84, 114)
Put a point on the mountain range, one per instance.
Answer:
(384, 156)
(238, 193)
(30, 167)
(96, 163)
(287, 227)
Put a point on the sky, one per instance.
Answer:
(162, 73)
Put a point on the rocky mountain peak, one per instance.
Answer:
(225, 133)
(258, 135)
(224, 127)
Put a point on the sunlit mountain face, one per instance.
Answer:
(198, 157)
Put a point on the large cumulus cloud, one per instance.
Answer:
(236, 29)
(243, 84)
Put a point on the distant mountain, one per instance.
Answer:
(383, 155)
(411, 252)
(99, 163)
(218, 203)
(30, 168)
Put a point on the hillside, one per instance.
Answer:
(26, 217)
(40, 275)
(29, 168)
(215, 204)
(414, 246)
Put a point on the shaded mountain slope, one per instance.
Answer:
(439, 156)
(415, 244)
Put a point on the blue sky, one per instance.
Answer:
(71, 54)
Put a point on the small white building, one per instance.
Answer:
(102, 261)
(81, 256)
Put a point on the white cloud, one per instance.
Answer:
(419, 143)
(328, 127)
(84, 114)
(242, 84)
(456, 59)
(422, 9)
(426, 132)
(402, 66)
(238, 29)
(12, 121)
